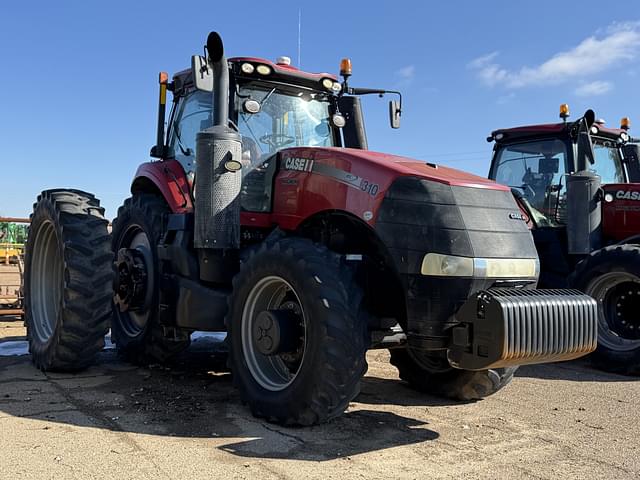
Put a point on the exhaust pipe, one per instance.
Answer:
(218, 180)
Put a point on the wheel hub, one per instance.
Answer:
(274, 332)
(624, 310)
(130, 282)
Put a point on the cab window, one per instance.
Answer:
(607, 162)
(536, 169)
(194, 114)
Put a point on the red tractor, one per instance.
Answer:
(572, 181)
(256, 220)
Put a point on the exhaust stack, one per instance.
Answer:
(218, 180)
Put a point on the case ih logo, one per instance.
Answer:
(299, 164)
(627, 195)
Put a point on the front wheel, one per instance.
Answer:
(298, 339)
(612, 277)
(435, 376)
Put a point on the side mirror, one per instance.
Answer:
(202, 74)
(394, 113)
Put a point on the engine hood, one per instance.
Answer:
(394, 164)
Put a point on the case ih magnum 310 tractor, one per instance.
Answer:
(258, 221)
(572, 182)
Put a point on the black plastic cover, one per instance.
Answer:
(419, 216)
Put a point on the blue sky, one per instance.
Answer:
(78, 91)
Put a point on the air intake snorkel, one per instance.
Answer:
(218, 180)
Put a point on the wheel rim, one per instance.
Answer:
(618, 297)
(273, 372)
(133, 323)
(46, 281)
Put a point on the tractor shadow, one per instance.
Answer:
(194, 397)
(579, 370)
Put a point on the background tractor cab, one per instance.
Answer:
(631, 153)
(575, 184)
(550, 168)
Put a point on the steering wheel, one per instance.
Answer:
(277, 140)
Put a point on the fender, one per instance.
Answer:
(169, 179)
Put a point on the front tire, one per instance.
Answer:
(135, 326)
(67, 280)
(438, 378)
(317, 357)
(612, 277)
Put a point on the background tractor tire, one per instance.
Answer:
(67, 280)
(611, 276)
(314, 377)
(464, 385)
(139, 225)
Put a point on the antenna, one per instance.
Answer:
(299, 41)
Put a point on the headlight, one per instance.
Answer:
(247, 68)
(452, 266)
(447, 265)
(336, 87)
(263, 69)
(327, 83)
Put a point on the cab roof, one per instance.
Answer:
(279, 73)
(547, 129)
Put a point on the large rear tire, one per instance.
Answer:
(612, 277)
(317, 356)
(135, 326)
(67, 280)
(437, 378)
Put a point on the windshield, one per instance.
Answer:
(287, 118)
(608, 162)
(536, 170)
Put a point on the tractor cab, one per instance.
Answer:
(536, 161)
(273, 106)
(557, 173)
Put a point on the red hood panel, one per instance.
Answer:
(399, 166)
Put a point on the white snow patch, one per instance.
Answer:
(16, 348)
(218, 336)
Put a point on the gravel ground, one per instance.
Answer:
(115, 420)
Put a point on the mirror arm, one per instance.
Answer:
(370, 91)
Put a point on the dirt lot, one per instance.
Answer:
(119, 421)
